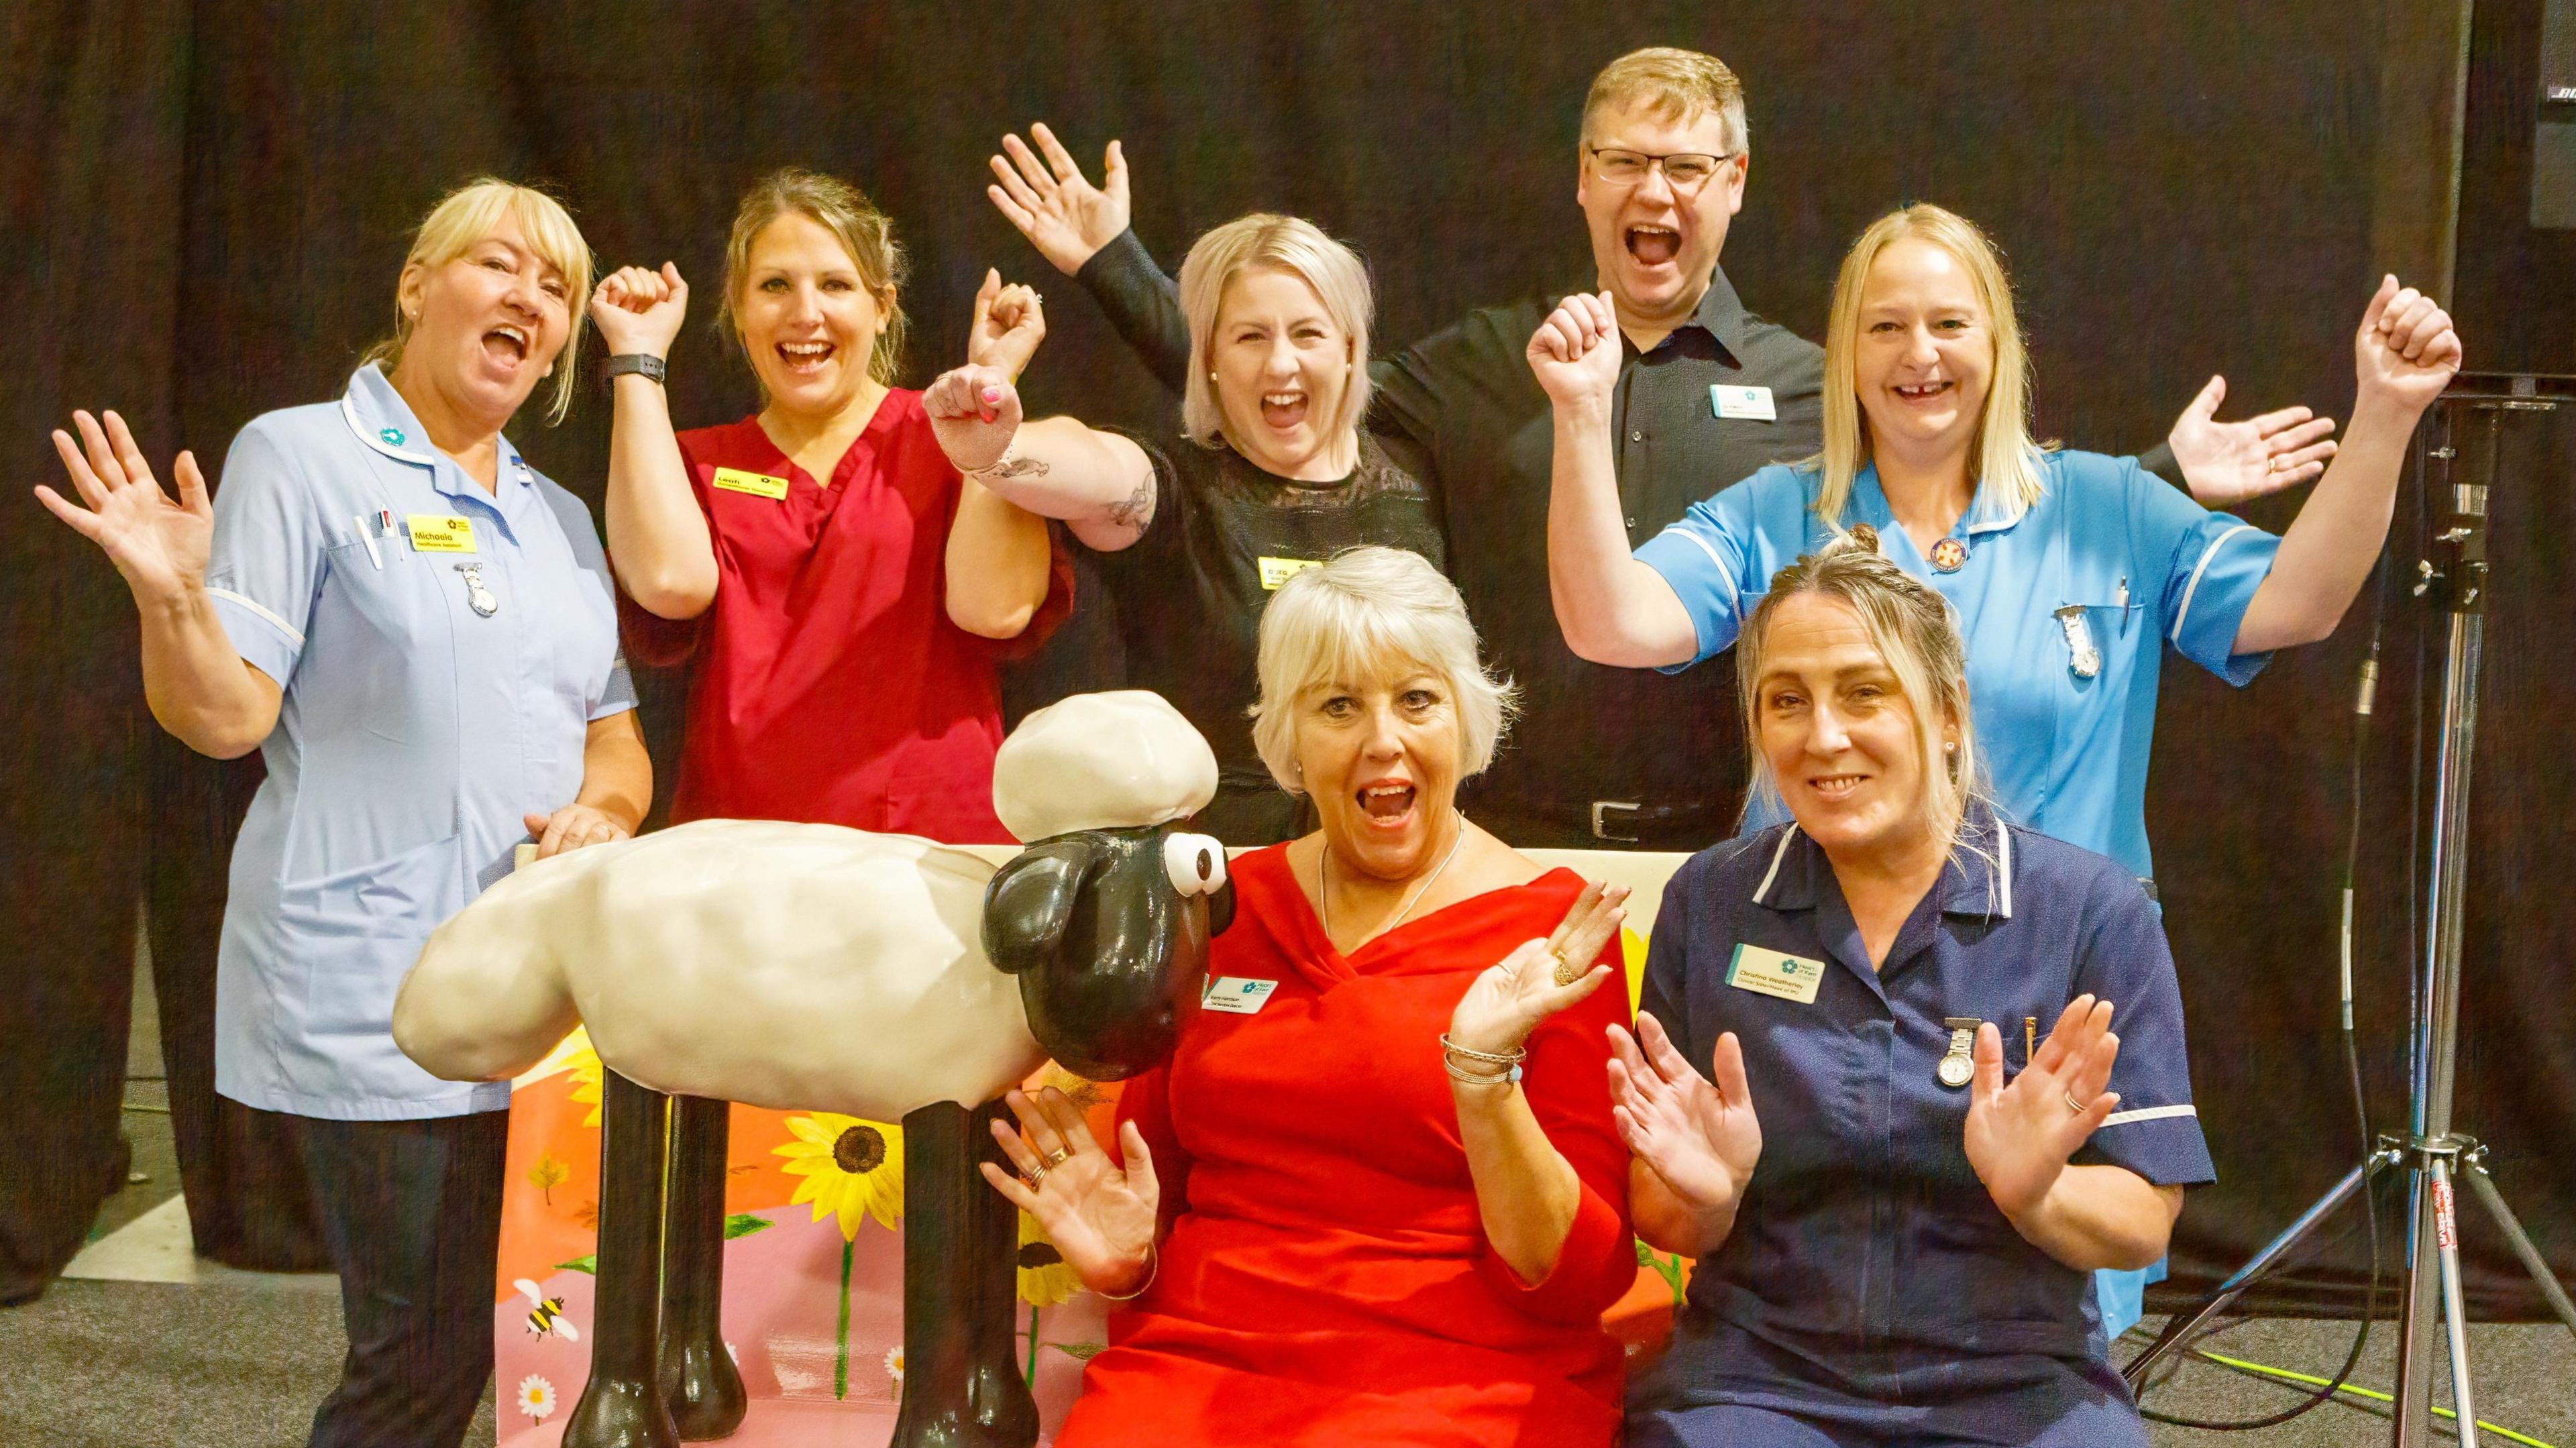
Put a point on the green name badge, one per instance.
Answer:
(1775, 973)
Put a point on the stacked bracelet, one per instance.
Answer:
(1456, 1059)
(1153, 1264)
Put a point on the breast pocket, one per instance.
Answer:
(379, 628)
(356, 934)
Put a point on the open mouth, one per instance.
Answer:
(1922, 391)
(506, 345)
(804, 358)
(1283, 410)
(1387, 802)
(1652, 245)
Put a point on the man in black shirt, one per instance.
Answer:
(1708, 394)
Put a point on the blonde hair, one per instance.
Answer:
(840, 208)
(464, 217)
(1340, 281)
(1365, 612)
(1675, 86)
(1913, 628)
(2004, 461)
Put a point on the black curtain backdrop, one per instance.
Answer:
(206, 205)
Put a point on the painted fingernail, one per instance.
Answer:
(992, 394)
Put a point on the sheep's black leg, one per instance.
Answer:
(951, 1398)
(699, 1379)
(622, 1406)
(997, 1393)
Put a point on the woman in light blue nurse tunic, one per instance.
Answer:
(416, 630)
(2070, 571)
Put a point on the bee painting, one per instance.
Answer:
(546, 1318)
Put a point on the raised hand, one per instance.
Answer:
(2226, 463)
(1061, 213)
(158, 545)
(1540, 977)
(1575, 352)
(2019, 1136)
(1010, 322)
(2406, 350)
(974, 412)
(1100, 1216)
(637, 310)
(1702, 1140)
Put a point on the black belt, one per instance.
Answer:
(1619, 821)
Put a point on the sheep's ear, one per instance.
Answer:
(1027, 907)
(1220, 909)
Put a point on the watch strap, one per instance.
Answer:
(643, 364)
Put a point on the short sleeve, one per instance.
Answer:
(581, 533)
(2200, 569)
(1708, 558)
(2156, 1130)
(265, 567)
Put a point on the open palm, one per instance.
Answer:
(1053, 204)
(1508, 1000)
(160, 546)
(1099, 1215)
(2019, 1136)
(1699, 1135)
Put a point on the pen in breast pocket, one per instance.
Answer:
(365, 537)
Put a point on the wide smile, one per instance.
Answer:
(1923, 394)
(1651, 244)
(1387, 804)
(506, 346)
(1835, 788)
(1285, 409)
(805, 359)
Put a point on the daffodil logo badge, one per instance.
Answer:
(851, 1169)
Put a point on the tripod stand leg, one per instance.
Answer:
(2532, 1261)
(2455, 1309)
(2181, 1329)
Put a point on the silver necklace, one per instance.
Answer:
(1324, 883)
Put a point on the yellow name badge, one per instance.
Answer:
(1773, 973)
(1276, 571)
(431, 533)
(759, 485)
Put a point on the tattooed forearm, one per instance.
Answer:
(1137, 509)
(1013, 466)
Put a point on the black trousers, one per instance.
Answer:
(411, 1212)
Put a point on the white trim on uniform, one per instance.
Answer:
(2003, 863)
(1710, 549)
(2192, 587)
(254, 605)
(1777, 855)
(349, 411)
(2150, 1113)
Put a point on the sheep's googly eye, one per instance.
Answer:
(1195, 863)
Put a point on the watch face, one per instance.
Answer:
(1955, 1071)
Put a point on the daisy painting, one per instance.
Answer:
(536, 1397)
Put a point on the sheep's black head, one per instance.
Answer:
(1107, 931)
(1106, 918)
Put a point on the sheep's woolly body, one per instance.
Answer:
(783, 965)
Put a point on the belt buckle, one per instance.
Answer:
(1601, 825)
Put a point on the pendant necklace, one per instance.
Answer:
(1324, 886)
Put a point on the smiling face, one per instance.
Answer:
(1379, 756)
(1282, 364)
(1924, 355)
(807, 318)
(1842, 742)
(1655, 245)
(487, 325)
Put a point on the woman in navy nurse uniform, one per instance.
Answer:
(2070, 571)
(416, 631)
(1904, 1255)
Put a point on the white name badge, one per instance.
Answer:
(1750, 403)
(1775, 973)
(1236, 996)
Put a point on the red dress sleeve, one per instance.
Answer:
(1567, 1082)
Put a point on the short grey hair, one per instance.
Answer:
(1365, 612)
(1291, 244)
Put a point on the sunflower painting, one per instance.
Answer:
(588, 1079)
(852, 1169)
(1045, 1280)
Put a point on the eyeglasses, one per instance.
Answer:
(1683, 170)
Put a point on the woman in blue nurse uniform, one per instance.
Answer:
(1903, 1256)
(2071, 571)
(416, 631)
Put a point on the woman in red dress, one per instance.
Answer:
(1376, 1196)
(844, 675)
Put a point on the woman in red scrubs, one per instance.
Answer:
(1376, 1197)
(844, 675)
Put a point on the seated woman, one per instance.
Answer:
(1275, 475)
(1337, 1224)
(1906, 1257)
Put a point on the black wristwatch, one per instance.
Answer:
(643, 364)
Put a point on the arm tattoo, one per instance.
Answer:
(1013, 466)
(1137, 509)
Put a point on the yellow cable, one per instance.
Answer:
(2372, 1393)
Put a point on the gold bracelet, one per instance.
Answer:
(1153, 1264)
(1512, 1057)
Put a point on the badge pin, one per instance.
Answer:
(1949, 555)
(1957, 1068)
(393, 436)
(2081, 656)
(478, 598)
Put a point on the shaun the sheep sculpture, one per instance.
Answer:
(701, 959)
